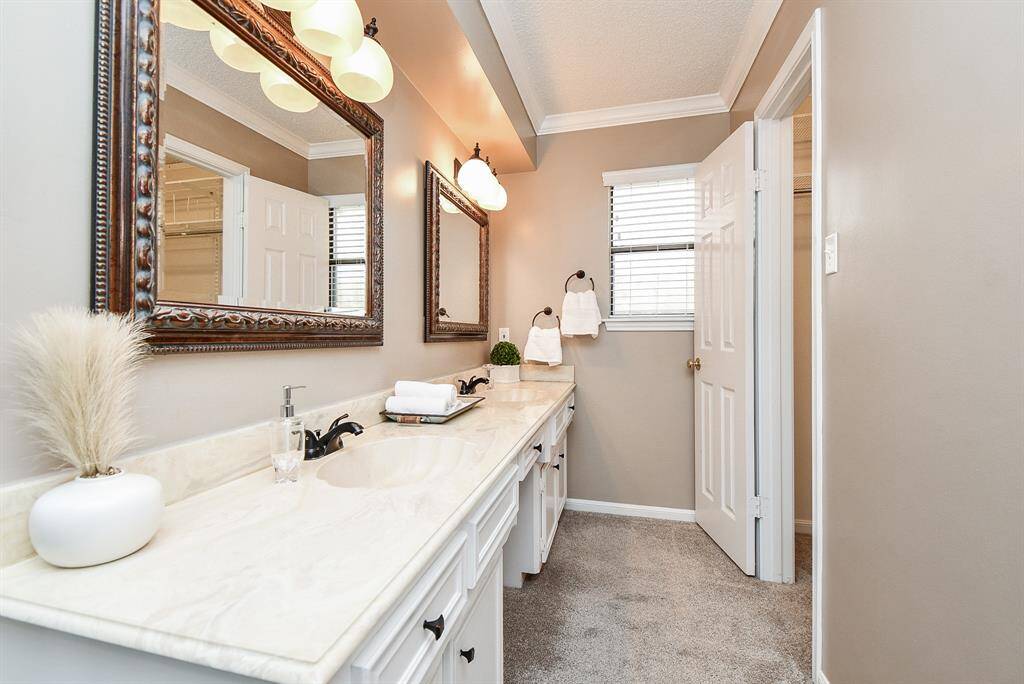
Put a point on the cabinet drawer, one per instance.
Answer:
(488, 526)
(404, 648)
(477, 650)
(564, 414)
(532, 452)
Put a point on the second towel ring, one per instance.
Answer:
(581, 274)
(547, 312)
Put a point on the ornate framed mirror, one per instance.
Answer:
(456, 263)
(238, 197)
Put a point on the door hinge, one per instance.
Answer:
(760, 180)
(755, 507)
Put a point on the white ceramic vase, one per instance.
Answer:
(504, 374)
(94, 520)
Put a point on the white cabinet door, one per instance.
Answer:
(549, 475)
(435, 674)
(477, 650)
(723, 341)
(562, 460)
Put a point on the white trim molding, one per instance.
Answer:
(648, 323)
(201, 156)
(198, 89)
(631, 510)
(649, 174)
(759, 21)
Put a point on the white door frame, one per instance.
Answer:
(235, 177)
(799, 76)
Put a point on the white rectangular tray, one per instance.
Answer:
(462, 405)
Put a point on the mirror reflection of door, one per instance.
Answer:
(459, 276)
(262, 198)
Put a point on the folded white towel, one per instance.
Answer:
(543, 344)
(433, 406)
(580, 314)
(408, 388)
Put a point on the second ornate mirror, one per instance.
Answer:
(456, 263)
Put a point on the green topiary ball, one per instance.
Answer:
(505, 354)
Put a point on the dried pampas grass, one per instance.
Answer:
(76, 373)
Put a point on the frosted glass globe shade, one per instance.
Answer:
(282, 90)
(234, 52)
(186, 14)
(289, 5)
(366, 75)
(495, 200)
(330, 27)
(475, 178)
(447, 206)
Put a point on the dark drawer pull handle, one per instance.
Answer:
(539, 447)
(557, 466)
(468, 655)
(561, 455)
(435, 627)
(572, 408)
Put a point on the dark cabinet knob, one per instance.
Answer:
(435, 627)
(561, 455)
(572, 408)
(468, 655)
(557, 466)
(539, 447)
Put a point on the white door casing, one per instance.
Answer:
(723, 341)
(286, 248)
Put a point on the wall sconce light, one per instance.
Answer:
(234, 52)
(366, 75)
(282, 90)
(330, 27)
(186, 14)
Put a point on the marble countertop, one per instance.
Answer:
(279, 581)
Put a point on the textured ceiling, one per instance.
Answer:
(591, 54)
(191, 51)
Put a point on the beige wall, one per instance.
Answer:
(802, 472)
(632, 440)
(337, 176)
(184, 396)
(923, 338)
(191, 120)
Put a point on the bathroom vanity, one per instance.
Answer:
(384, 563)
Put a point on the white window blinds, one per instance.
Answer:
(347, 243)
(652, 220)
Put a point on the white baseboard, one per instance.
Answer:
(803, 526)
(632, 510)
(820, 678)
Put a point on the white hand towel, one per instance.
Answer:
(580, 314)
(434, 406)
(543, 344)
(408, 388)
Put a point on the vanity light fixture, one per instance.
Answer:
(448, 206)
(366, 75)
(282, 90)
(287, 5)
(496, 199)
(475, 176)
(330, 27)
(234, 52)
(186, 14)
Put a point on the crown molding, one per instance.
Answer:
(198, 89)
(660, 110)
(762, 14)
(501, 25)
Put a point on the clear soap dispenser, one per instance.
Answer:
(287, 441)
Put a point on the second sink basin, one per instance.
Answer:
(398, 462)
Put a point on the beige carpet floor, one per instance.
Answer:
(624, 600)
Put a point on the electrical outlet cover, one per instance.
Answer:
(503, 334)
(831, 253)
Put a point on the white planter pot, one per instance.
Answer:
(505, 374)
(89, 521)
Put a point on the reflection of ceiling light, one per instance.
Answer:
(282, 90)
(366, 75)
(186, 14)
(288, 5)
(447, 205)
(475, 177)
(330, 27)
(234, 52)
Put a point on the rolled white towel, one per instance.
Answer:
(409, 388)
(434, 406)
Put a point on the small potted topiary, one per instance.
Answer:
(505, 357)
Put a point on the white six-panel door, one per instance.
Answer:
(286, 248)
(723, 341)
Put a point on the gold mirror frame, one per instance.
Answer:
(435, 329)
(125, 188)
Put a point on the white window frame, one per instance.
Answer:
(647, 323)
(356, 199)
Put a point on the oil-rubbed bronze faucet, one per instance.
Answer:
(469, 387)
(318, 447)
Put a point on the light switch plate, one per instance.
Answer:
(503, 334)
(831, 253)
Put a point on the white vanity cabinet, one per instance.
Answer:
(476, 652)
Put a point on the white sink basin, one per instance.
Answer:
(398, 462)
(512, 395)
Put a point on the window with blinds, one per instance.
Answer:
(347, 250)
(652, 233)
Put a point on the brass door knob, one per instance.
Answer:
(693, 364)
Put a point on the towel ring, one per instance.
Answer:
(547, 312)
(581, 274)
